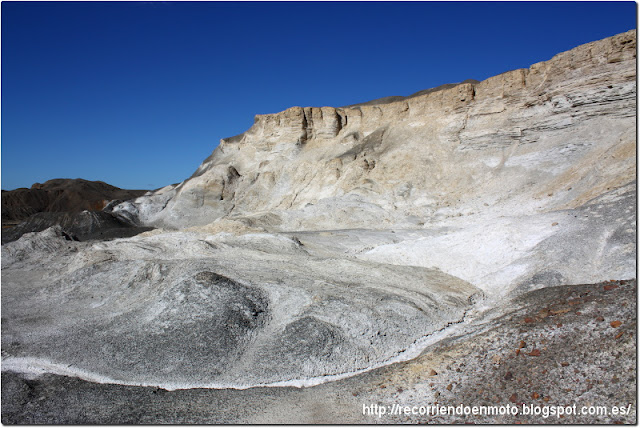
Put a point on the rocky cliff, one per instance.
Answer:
(489, 175)
(549, 137)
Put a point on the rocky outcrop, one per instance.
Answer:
(497, 161)
(564, 126)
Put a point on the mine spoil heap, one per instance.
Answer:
(398, 248)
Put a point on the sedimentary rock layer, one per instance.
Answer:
(507, 168)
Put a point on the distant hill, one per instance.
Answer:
(61, 195)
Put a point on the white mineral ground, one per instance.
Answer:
(324, 242)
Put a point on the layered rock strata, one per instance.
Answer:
(502, 163)
(548, 137)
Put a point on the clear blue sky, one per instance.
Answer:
(138, 94)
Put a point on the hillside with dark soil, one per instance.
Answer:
(60, 195)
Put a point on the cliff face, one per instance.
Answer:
(516, 181)
(552, 136)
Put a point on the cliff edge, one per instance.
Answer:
(549, 137)
(489, 176)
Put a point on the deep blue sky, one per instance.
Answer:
(138, 94)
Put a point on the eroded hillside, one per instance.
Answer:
(381, 252)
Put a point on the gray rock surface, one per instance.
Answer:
(581, 353)
(184, 310)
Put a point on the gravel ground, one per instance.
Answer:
(560, 346)
(556, 347)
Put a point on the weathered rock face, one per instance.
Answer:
(564, 127)
(494, 164)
